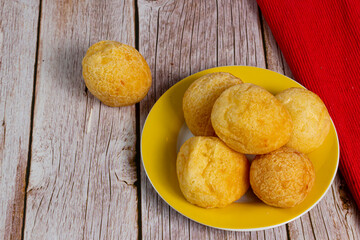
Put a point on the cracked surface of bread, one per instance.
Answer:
(199, 99)
(251, 120)
(116, 74)
(211, 174)
(310, 117)
(282, 178)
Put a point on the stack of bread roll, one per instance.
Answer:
(230, 119)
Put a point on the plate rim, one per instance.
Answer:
(238, 229)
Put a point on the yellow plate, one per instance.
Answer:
(159, 150)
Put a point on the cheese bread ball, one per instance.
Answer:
(282, 178)
(310, 117)
(116, 73)
(211, 174)
(199, 99)
(251, 120)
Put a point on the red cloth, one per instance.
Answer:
(320, 40)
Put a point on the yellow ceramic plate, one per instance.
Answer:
(159, 150)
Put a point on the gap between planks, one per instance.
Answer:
(32, 117)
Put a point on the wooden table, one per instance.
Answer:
(70, 166)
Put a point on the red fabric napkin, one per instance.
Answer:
(320, 41)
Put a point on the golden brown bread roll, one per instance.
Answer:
(282, 178)
(116, 73)
(310, 117)
(211, 174)
(200, 97)
(251, 120)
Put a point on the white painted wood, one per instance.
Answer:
(18, 35)
(82, 182)
(83, 171)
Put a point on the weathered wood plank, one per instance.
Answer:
(336, 215)
(179, 38)
(18, 37)
(82, 174)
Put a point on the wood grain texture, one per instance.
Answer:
(82, 173)
(336, 215)
(18, 35)
(82, 182)
(179, 38)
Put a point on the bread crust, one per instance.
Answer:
(116, 74)
(251, 120)
(310, 117)
(199, 99)
(211, 174)
(282, 178)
